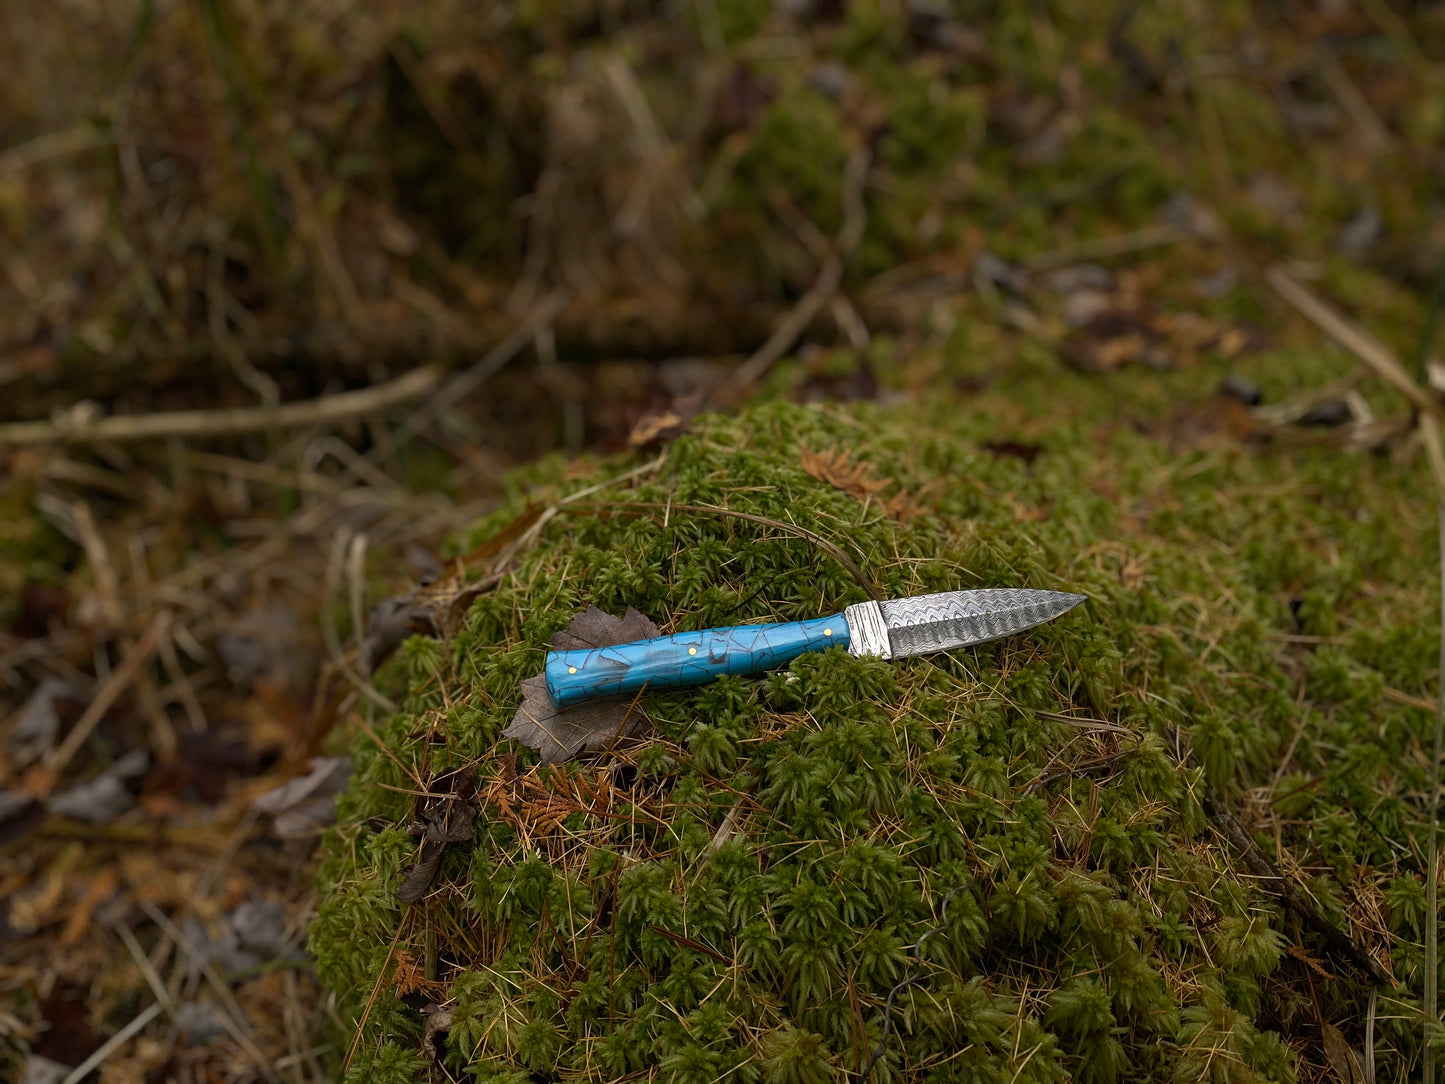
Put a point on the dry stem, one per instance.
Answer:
(211, 423)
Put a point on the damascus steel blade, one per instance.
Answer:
(952, 619)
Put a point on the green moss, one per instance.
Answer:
(32, 549)
(798, 154)
(1096, 927)
(741, 19)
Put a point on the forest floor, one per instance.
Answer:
(286, 297)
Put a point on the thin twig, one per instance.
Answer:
(111, 1045)
(122, 676)
(1370, 1035)
(464, 383)
(338, 657)
(234, 1015)
(825, 286)
(904, 983)
(381, 977)
(1272, 880)
(212, 423)
(147, 969)
(1432, 322)
(1430, 436)
(1100, 248)
(1374, 136)
(83, 137)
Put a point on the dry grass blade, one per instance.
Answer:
(123, 675)
(1102, 248)
(233, 1019)
(111, 1045)
(1272, 880)
(1352, 337)
(1370, 1035)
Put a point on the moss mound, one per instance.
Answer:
(743, 891)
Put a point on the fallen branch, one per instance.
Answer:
(211, 423)
(48, 774)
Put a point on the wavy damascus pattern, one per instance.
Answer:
(956, 619)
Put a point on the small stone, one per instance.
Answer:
(1330, 414)
(1081, 276)
(830, 79)
(1191, 217)
(201, 1022)
(1242, 390)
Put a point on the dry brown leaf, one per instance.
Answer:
(560, 734)
(1342, 1057)
(838, 469)
(445, 819)
(1119, 335)
(305, 805)
(656, 428)
(409, 976)
(101, 887)
(435, 609)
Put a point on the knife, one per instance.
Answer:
(889, 630)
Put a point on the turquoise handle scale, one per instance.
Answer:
(688, 658)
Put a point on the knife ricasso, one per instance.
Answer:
(685, 658)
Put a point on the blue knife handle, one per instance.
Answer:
(688, 658)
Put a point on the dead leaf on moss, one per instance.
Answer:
(409, 976)
(435, 609)
(560, 734)
(838, 469)
(443, 819)
(594, 627)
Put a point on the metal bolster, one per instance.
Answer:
(867, 631)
